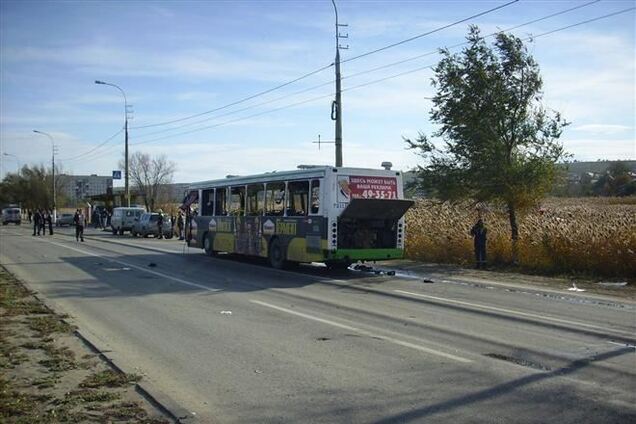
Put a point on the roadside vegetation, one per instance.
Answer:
(595, 237)
(47, 375)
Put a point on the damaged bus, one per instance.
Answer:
(334, 215)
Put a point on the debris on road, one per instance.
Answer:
(612, 284)
(574, 288)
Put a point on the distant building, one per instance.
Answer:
(82, 187)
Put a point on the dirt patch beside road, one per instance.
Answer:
(48, 375)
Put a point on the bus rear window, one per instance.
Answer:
(315, 196)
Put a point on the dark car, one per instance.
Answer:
(146, 225)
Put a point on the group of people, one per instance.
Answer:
(101, 218)
(41, 218)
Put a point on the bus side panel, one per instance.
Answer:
(302, 238)
(222, 230)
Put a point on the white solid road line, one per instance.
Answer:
(365, 332)
(139, 268)
(510, 311)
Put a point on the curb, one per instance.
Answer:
(163, 404)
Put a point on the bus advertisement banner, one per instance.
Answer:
(366, 187)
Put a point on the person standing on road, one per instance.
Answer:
(30, 215)
(36, 221)
(160, 225)
(80, 222)
(49, 220)
(43, 218)
(479, 233)
(180, 225)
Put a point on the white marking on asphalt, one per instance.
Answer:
(623, 345)
(365, 332)
(508, 311)
(139, 268)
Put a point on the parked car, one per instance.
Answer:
(124, 218)
(11, 215)
(147, 225)
(65, 219)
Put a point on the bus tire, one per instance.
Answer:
(207, 245)
(338, 265)
(276, 254)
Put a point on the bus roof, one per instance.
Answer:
(305, 172)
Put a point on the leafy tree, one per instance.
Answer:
(150, 176)
(500, 144)
(617, 181)
(31, 187)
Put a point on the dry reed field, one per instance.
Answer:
(591, 236)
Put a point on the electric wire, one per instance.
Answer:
(410, 59)
(307, 75)
(327, 67)
(532, 37)
(399, 43)
(373, 82)
(103, 143)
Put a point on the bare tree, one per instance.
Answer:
(149, 175)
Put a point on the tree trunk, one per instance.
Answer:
(514, 231)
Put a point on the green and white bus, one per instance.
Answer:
(334, 215)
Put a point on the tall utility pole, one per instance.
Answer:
(125, 137)
(336, 106)
(53, 147)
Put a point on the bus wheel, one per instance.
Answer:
(338, 265)
(207, 245)
(276, 255)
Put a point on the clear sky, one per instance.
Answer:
(175, 59)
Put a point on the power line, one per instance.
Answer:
(371, 82)
(429, 32)
(238, 101)
(73, 158)
(326, 67)
(362, 72)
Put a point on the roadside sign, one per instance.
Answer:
(116, 175)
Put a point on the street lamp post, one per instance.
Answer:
(16, 159)
(125, 137)
(52, 169)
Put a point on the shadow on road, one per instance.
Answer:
(612, 416)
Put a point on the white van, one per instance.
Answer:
(124, 218)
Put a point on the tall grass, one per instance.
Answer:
(594, 236)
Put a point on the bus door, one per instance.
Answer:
(248, 227)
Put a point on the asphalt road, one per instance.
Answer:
(231, 340)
